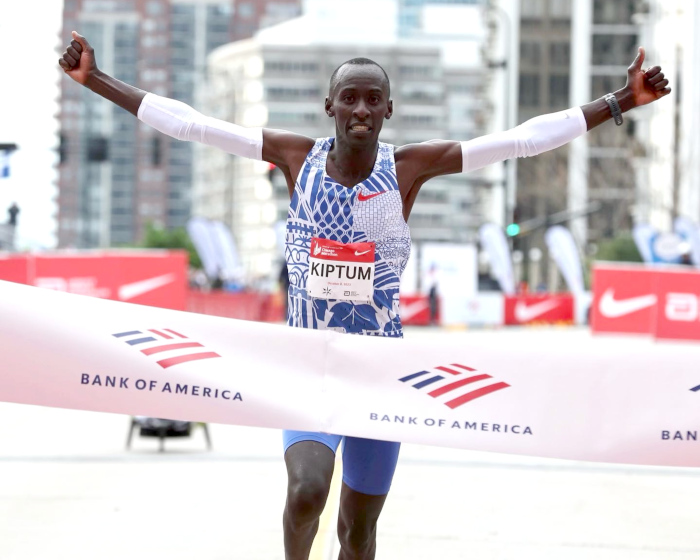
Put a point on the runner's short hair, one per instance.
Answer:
(360, 61)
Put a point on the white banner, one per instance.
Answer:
(216, 248)
(494, 243)
(201, 234)
(226, 250)
(564, 251)
(597, 404)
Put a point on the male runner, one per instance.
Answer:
(350, 198)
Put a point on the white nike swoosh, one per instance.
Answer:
(135, 289)
(613, 308)
(359, 254)
(413, 309)
(525, 313)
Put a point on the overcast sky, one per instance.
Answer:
(29, 35)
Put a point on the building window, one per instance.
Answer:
(411, 71)
(532, 9)
(560, 54)
(530, 53)
(292, 67)
(529, 90)
(600, 85)
(420, 120)
(276, 93)
(619, 12)
(613, 49)
(559, 91)
(288, 117)
(560, 9)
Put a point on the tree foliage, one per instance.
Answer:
(161, 238)
(621, 248)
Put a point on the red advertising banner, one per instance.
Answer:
(539, 308)
(155, 278)
(13, 268)
(637, 299)
(624, 299)
(678, 315)
(415, 310)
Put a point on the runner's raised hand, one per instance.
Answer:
(645, 86)
(78, 60)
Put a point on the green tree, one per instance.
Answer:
(161, 238)
(621, 248)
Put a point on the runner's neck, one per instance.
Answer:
(349, 167)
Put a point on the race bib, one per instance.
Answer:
(342, 271)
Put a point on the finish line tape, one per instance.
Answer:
(596, 403)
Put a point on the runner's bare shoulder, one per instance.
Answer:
(431, 158)
(285, 148)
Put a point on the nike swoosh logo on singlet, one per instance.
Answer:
(362, 197)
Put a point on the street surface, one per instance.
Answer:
(70, 490)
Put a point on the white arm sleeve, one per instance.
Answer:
(533, 137)
(181, 121)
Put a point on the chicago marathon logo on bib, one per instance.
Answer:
(343, 271)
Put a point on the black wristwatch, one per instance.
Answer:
(611, 100)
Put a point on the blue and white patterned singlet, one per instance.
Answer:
(323, 208)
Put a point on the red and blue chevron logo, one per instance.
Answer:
(442, 386)
(169, 347)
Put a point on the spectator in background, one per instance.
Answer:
(12, 213)
(284, 287)
(433, 301)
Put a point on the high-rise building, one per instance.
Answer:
(612, 149)
(543, 87)
(115, 174)
(571, 52)
(609, 35)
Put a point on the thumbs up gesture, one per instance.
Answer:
(645, 86)
(78, 60)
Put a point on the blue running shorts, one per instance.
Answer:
(368, 464)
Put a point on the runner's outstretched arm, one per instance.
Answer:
(181, 121)
(78, 62)
(421, 162)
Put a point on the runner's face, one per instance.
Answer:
(359, 103)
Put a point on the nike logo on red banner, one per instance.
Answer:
(613, 308)
(362, 197)
(412, 309)
(525, 313)
(135, 289)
